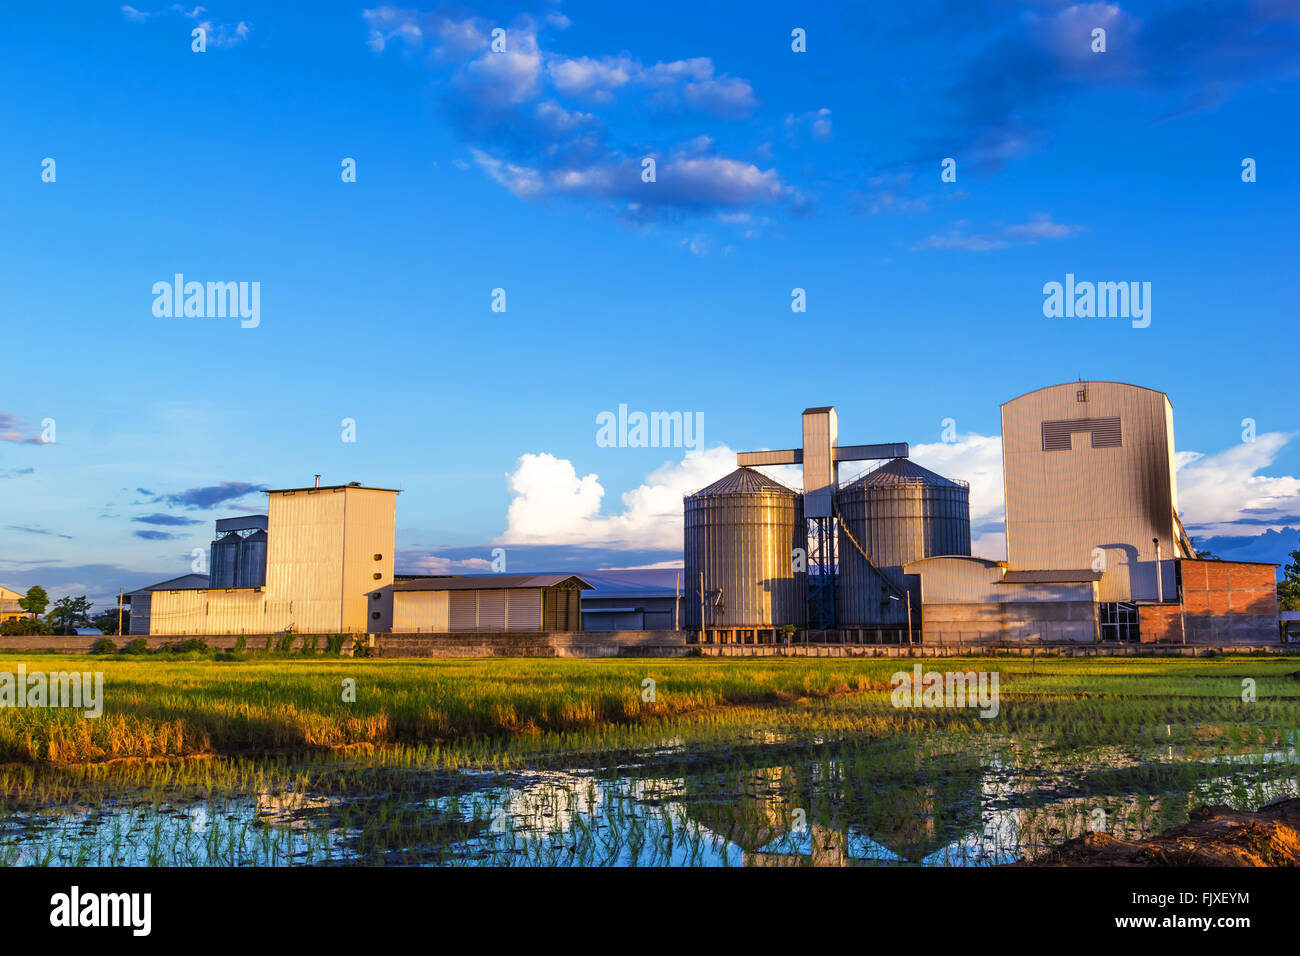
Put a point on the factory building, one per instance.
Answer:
(485, 602)
(140, 601)
(329, 557)
(1096, 551)
(643, 599)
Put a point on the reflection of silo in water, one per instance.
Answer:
(740, 533)
(252, 561)
(899, 512)
(224, 569)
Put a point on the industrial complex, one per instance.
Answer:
(1096, 552)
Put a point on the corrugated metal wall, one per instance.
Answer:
(743, 544)
(1063, 504)
(421, 611)
(141, 602)
(210, 612)
(304, 561)
(525, 609)
(370, 534)
(895, 524)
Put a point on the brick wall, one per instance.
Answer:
(1160, 623)
(1229, 602)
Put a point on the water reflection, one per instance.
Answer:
(776, 801)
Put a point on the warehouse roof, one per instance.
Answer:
(186, 582)
(487, 582)
(633, 582)
(1050, 577)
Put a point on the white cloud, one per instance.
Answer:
(422, 563)
(1039, 226)
(1222, 493)
(551, 504)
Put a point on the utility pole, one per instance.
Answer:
(119, 612)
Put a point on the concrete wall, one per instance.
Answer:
(1033, 622)
(534, 644)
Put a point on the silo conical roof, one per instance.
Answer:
(903, 471)
(744, 481)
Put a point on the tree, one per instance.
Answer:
(36, 600)
(69, 613)
(106, 621)
(19, 626)
(1288, 590)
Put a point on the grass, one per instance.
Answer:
(156, 707)
(572, 767)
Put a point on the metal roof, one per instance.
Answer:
(743, 481)
(351, 484)
(632, 582)
(1050, 577)
(195, 582)
(1086, 382)
(903, 471)
(488, 582)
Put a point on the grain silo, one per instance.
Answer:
(898, 513)
(252, 561)
(741, 533)
(224, 566)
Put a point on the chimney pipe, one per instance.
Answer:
(318, 481)
(1160, 584)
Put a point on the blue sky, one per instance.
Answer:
(521, 170)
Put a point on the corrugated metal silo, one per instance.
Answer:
(898, 513)
(224, 565)
(740, 532)
(252, 561)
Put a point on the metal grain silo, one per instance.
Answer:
(252, 561)
(899, 512)
(224, 566)
(740, 533)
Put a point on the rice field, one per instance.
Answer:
(575, 763)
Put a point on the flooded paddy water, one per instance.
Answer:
(791, 785)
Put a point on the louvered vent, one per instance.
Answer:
(1105, 432)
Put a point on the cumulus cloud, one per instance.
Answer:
(552, 504)
(1223, 493)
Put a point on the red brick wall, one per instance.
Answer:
(1229, 602)
(1160, 623)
